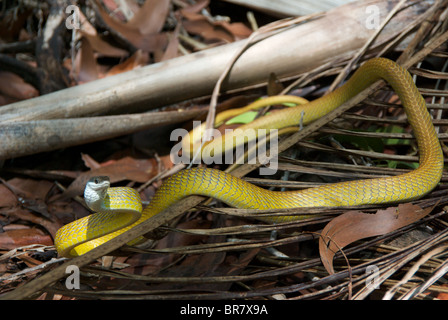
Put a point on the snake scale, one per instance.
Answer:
(84, 234)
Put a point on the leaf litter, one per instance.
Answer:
(355, 225)
(33, 209)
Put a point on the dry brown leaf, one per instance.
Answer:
(51, 225)
(15, 87)
(31, 194)
(217, 30)
(274, 85)
(29, 189)
(237, 29)
(135, 33)
(29, 260)
(196, 7)
(4, 100)
(102, 47)
(198, 24)
(12, 239)
(12, 22)
(89, 162)
(138, 59)
(443, 295)
(127, 168)
(7, 197)
(172, 48)
(88, 69)
(151, 16)
(355, 225)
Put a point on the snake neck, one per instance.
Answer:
(116, 208)
(95, 198)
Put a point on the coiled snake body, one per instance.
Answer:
(82, 235)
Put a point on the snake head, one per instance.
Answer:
(95, 191)
(98, 182)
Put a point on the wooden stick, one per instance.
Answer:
(28, 137)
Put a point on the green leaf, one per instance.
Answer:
(363, 143)
(250, 116)
(399, 164)
(393, 141)
(243, 118)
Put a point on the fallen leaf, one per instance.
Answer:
(139, 30)
(29, 261)
(29, 189)
(151, 16)
(138, 59)
(237, 29)
(4, 100)
(443, 295)
(275, 87)
(15, 87)
(196, 7)
(214, 30)
(88, 69)
(102, 47)
(31, 194)
(127, 168)
(355, 225)
(13, 21)
(25, 215)
(7, 197)
(172, 48)
(89, 162)
(199, 25)
(12, 239)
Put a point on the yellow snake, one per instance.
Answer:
(82, 235)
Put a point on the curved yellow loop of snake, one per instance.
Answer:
(82, 235)
(193, 140)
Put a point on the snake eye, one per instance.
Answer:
(98, 180)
